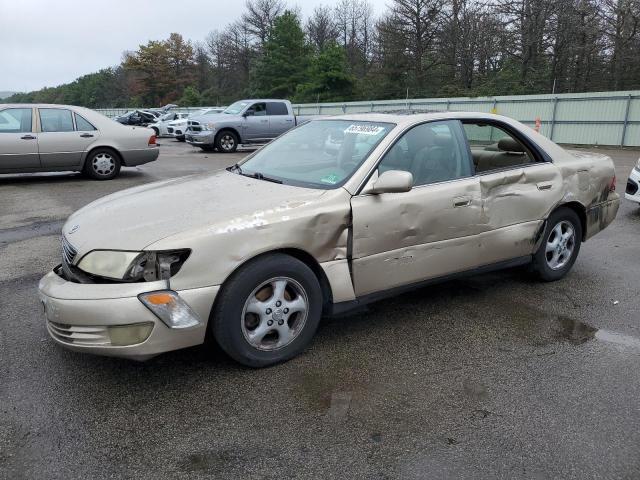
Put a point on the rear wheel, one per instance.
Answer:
(268, 311)
(226, 141)
(560, 245)
(102, 164)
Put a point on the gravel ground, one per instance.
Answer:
(492, 376)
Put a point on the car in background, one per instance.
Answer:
(178, 128)
(50, 138)
(244, 122)
(138, 117)
(334, 214)
(161, 124)
(633, 184)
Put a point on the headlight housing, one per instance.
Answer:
(210, 127)
(128, 266)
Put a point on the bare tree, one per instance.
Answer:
(321, 28)
(260, 15)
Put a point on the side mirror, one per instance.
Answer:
(248, 113)
(392, 181)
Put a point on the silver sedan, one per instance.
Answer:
(48, 138)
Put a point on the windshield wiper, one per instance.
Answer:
(237, 169)
(260, 176)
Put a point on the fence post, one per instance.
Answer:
(494, 110)
(626, 121)
(344, 108)
(553, 117)
(448, 101)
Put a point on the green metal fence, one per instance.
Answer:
(601, 118)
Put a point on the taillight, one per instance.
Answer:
(612, 185)
(152, 140)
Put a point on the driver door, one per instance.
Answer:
(428, 232)
(256, 122)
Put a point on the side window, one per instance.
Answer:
(82, 125)
(493, 148)
(433, 152)
(277, 108)
(259, 109)
(55, 120)
(15, 120)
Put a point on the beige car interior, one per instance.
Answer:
(491, 155)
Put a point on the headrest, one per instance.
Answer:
(508, 144)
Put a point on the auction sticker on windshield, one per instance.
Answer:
(365, 129)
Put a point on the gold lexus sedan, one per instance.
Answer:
(336, 213)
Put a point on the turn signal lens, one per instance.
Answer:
(170, 308)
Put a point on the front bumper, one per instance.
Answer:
(200, 138)
(633, 186)
(78, 316)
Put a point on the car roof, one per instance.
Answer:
(410, 118)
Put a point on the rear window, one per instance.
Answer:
(82, 124)
(56, 120)
(277, 108)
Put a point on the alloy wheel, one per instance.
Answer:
(560, 245)
(274, 314)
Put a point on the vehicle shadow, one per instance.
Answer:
(61, 177)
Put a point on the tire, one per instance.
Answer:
(181, 138)
(560, 245)
(207, 148)
(275, 284)
(102, 164)
(227, 141)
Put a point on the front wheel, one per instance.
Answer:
(226, 141)
(560, 245)
(102, 164)
(268, 311)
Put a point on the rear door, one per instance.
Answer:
(280, 119)
(60, 143)
(519, 188)
(428, 232)
(256, 123)
(18, 140)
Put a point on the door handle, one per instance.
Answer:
(461, 202)
(544, 186)
(86, 135)
(28, 137)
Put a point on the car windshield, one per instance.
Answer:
(319, 154)
(235, 108)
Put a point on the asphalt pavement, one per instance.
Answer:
(493, 376)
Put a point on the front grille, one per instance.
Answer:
(79, 335)
(170, 129)
(194, 126)
(68, 251)
(632, 187)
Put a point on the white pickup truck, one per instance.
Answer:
(244, 122)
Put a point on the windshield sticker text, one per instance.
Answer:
(365, 129)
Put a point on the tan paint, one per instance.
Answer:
(396, 238)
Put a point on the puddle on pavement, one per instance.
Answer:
(577, 332)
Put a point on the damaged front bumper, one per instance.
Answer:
(111, 319)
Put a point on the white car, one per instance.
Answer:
(633, 184)
(177, 128)
(160, 126)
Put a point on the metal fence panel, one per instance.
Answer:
(599, 118)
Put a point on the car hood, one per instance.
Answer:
(214, 117)
(135, 218)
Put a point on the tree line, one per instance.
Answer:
(416, 48)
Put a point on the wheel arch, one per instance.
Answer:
(299, 254)
(230, 129)
(98, 147)
(581, 211)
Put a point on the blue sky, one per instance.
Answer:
(49, 42)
